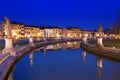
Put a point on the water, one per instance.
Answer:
(65, 61)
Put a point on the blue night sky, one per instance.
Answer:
(87, 14)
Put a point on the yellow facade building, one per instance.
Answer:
(72, 33)
(32, 29)
(17, 30)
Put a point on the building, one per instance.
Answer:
(88, 33)
(57, 32)
(17, 30)
(41, 33)
(30, 29)
(49, 33)
(71, 32)
(2, 33)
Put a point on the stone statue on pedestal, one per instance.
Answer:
(99, 37)
(100, 31)
(8, 38)
(8, 28)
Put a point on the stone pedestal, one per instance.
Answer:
(31, 42)
(8, 46)
(84, 40)
(8, 43)
(99, 42)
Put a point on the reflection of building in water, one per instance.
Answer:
(49, 47)
(83, 56)
(67, 45)
(64, 45)
(71, 45)
(99, 66)
(57, 46)
(54, 46)
(31, 59)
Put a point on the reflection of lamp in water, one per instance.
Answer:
(31, 59)
(84, 55)
(99, 65)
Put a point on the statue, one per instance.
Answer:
(8, 28)
(100, 31)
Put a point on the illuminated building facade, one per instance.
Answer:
(71, 33)
(21, 30)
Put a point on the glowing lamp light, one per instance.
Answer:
(14, 34)
(68, 34)
(25, 35)
(28, 35)
(86, 35)
(38, 34)
(74, 42)
(57, 35)
(68, 42)
(97, 35)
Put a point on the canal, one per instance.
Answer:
(64, 61)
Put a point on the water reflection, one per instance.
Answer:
(67, 45)
(31, 58)
(99, 67)
(44, 49)
(84, 56)
(65, 59)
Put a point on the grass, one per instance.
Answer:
(109, 43)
